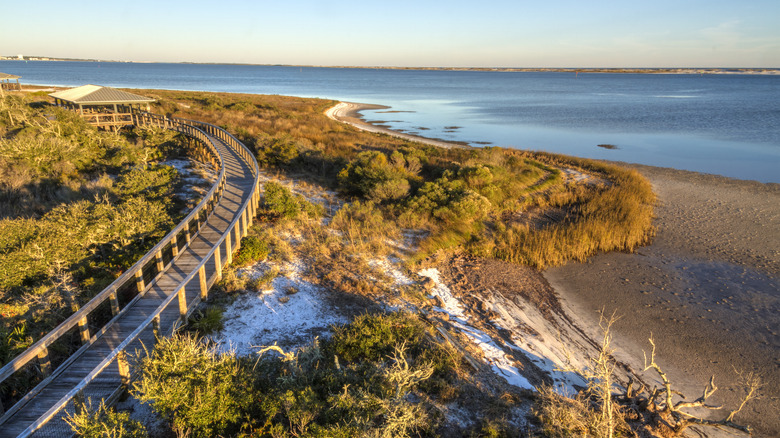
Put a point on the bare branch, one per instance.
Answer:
(753, 383)
(701, 401)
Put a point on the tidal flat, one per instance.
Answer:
(707, 288)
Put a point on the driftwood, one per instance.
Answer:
(660, 400)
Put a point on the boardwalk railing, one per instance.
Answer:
(109, 119)
(137, 280)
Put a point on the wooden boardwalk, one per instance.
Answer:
(239, 188)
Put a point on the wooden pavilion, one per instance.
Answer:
(102, 106)
(7, 84)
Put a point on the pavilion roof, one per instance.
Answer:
(97, 95)
(7, 76)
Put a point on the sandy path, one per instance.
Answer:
(707, 289)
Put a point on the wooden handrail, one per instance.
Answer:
(39, 350)
(249, 205)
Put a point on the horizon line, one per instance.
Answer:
(37, 58)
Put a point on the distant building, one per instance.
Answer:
(9, 82)
(20, 57)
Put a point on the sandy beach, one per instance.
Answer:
(349, 113)
(707, 289)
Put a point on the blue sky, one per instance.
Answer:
(539, 33)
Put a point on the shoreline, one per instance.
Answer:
(349, 113)
(706, 288)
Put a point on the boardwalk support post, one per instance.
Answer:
(139, 280)
(159, 259)
(124, 368)
(43, 360)
(84, 329)
(114, 303)
(175, 246)
(218, 264)
(182, 304)
(228, 248)
(247, 220)
(204, 290)
(156, 327)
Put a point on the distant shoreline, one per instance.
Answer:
(575, 70)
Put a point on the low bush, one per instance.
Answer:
(231, 282)
(355, 384)
(450, 203)
(253, 249)
(207, 321)
(372, 176)
(276, 151)
(279, 202)
(374, 336)
(104, 423)
(262, 281)
(201, 392)
(565, 417)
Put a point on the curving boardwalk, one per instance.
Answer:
(160, 308)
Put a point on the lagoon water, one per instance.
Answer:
(722, 124)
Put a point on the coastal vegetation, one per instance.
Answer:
(508, 204)
(386, 373)
(77, 206)
(360, 382)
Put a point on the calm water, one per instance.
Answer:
(722, 124)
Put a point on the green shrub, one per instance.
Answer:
(253, 249)
(449, 202)
(359, 383)
(370, 175)
(104, 423)
(374, 336)
(276, 151)
(198, 390)
(317, 392)
(280, 202)
(207, 322)
(14, 342)
(231, 281)
(153, 182)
